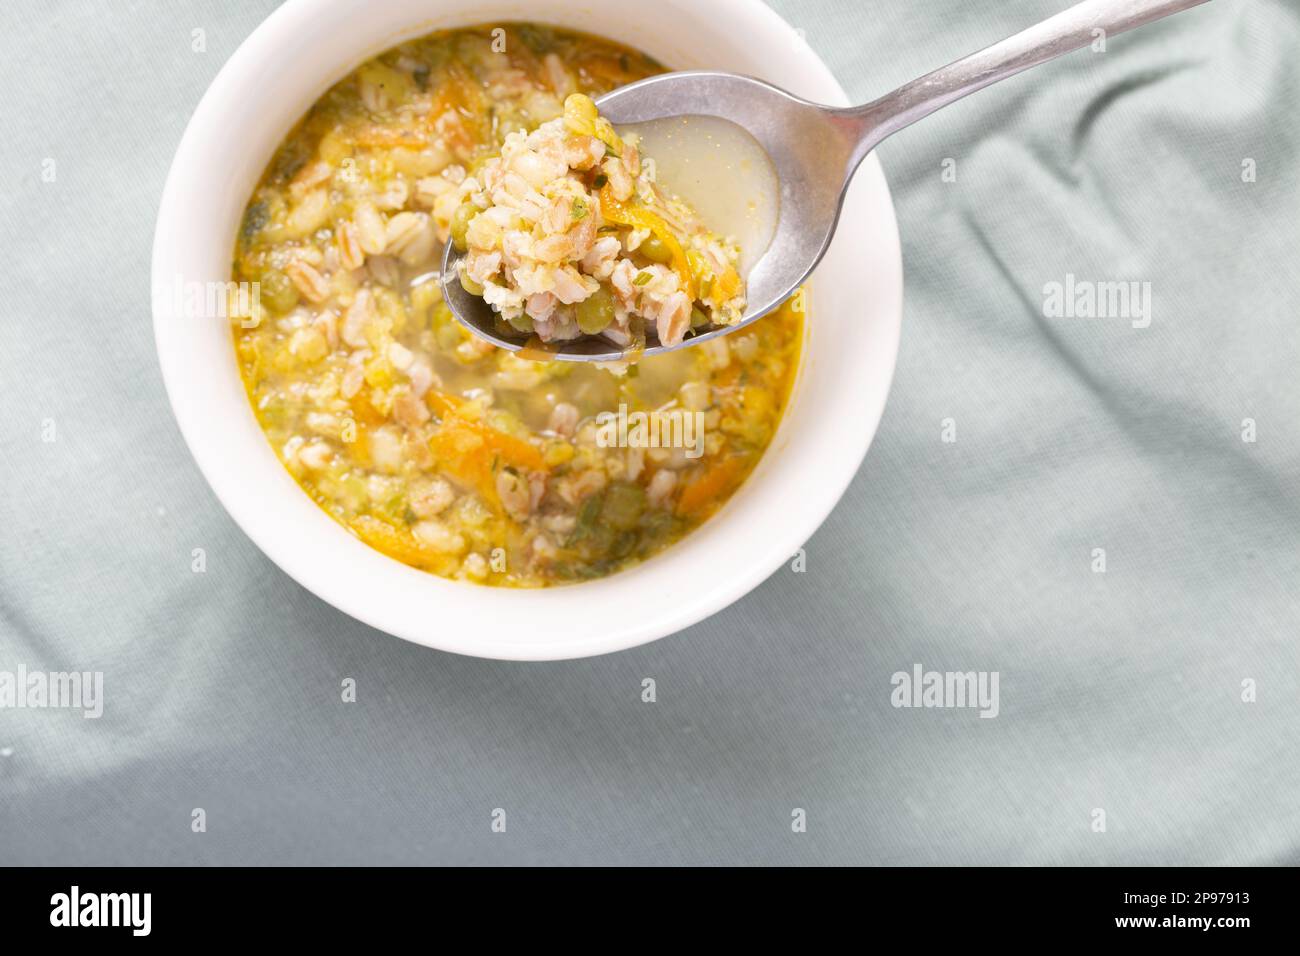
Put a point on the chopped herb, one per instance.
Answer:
(642, 278)
(579, 209)
(624, 544)
(289, 165)
(536, 38)
(600, 181)
(587, 516)
(254, 219)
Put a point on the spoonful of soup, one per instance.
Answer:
(688, 205)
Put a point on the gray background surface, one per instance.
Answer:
(1119, 690)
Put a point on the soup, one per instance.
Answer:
(427, 443)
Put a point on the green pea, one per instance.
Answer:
(596, 312)
(522, 323)
(460, 225)
(278, 291)
(656, 250)
(469, 285)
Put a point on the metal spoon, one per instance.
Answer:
(815, 150)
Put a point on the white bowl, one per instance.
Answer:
(849, 352)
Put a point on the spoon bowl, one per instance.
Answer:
(808, 149)
(814, 151)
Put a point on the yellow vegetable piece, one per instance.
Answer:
(725, 286)
(393, 542)
(639, 217)
(581, 117)
(472, 452)
(712, 487)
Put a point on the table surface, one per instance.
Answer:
(1161, 691)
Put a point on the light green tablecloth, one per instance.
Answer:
(1120, 691)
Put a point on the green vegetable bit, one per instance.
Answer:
(623, 505)
(521, 323)
(656, 250)
(255, 218)
(278, 290)
(586, 522)
(460, 225)
(596, 312)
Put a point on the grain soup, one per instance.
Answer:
(429, 444)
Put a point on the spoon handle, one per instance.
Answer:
(1079, 26)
